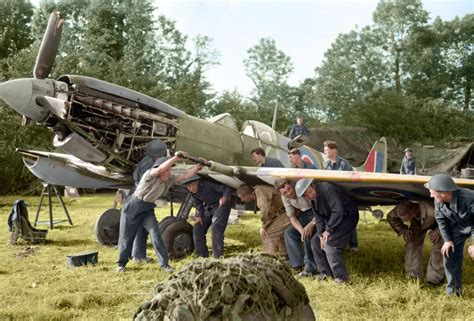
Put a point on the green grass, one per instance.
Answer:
(37, 284)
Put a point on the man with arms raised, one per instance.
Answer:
(137, 210)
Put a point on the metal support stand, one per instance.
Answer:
(47, 191)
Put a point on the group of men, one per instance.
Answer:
(308, 222)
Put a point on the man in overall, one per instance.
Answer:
(337, 163)
(258, 156)
(154, 150)
(408, 163)
(336, 216)
(297, 161)
(213, 204)
(413, 221)
(273, 216)
(454, 212)
(299, 128)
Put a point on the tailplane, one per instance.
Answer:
(376, 161)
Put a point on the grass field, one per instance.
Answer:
(37, 284)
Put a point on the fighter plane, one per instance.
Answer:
(102, 130)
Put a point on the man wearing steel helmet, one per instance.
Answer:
(336, 217)
(454, 212)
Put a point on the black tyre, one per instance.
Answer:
(165, 222)
(107, 227)
(178, 237)
(377, 214)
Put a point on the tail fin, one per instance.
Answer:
(376, 161)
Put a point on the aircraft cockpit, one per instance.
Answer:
(260, 131)
(224, 119)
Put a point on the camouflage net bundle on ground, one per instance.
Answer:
(245, 288)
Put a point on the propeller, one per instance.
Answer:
(49, 46)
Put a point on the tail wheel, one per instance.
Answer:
(377, 214)
(178, 236)
(107, 227)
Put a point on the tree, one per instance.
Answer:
(269, 69)
(438, 121)
(458, 53)
(394, 20)
(232, 102)
(352, 68)
(15, 35)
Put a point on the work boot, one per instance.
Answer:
(167, 269)
(340, 281)
(144, 260)
(120, 269)
(305, 274)
(321, 277)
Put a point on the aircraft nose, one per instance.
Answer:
(20, 94)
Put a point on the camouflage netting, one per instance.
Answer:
(354, 144)
(247, 287)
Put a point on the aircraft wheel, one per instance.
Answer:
(165, 222)
(377, 214)
(178, 237)
(107, 227)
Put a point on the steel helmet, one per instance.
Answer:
(191, 179)
(302, 185)
(442, 183)
(160, 161)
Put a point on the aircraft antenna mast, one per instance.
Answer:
(275, 111)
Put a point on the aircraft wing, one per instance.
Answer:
(67, 170)
(366, 188)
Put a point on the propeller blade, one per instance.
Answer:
(49, 46)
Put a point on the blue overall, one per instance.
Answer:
(456, 224)
(343, 164)
(337, 214)
(154, 149)
(136, 214)
(206, 202)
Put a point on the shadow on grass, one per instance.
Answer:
(71, 243)
(235, 249)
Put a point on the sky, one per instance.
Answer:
(303, 30)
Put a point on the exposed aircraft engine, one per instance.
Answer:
(99, 127)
